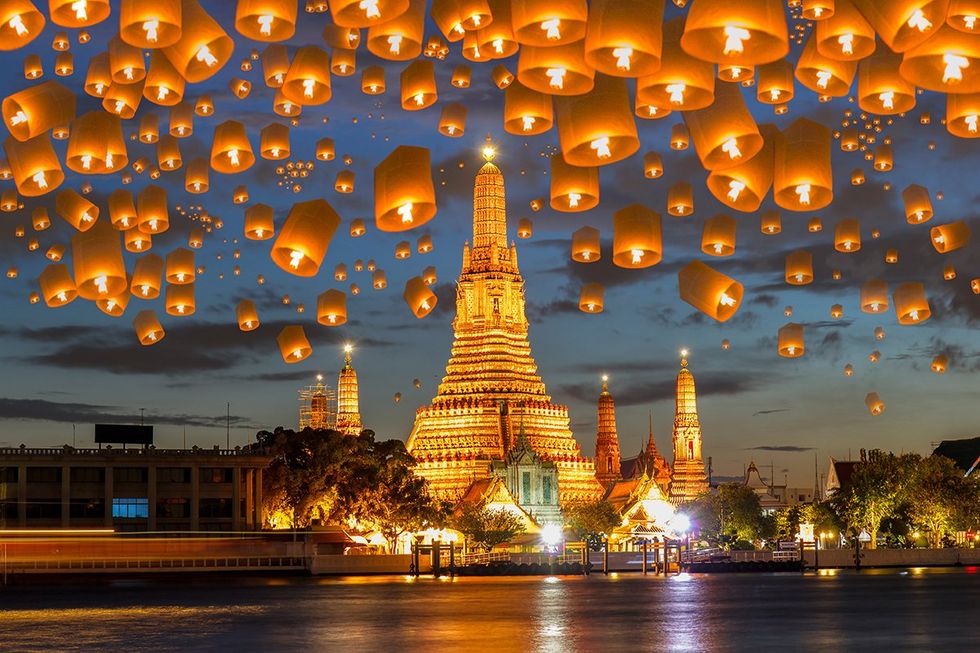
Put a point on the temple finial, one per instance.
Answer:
(683, 357)
(488, 150)
(605, 383)
(348, 348)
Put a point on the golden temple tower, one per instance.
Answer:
(606, 439)
(688, 478)
(348, 415)
(491, 382)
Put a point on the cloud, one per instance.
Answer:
(770, 411)
(638, 392)
(787, 448)
(54, 411)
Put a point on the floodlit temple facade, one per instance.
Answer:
(491, 388)
(688, 478)
(348, 412)
(607, 458)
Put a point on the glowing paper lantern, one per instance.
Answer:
(364, 13)
(99, 270)
(962, 111)
(902, 24)
(526, 112)
(911, 304)
(259, 222)
(419, 297)
(743, 186)
(823, 75)
(357, 228)
(557, 70)
(949, 237)
(373, 80)
(874, 296)
(20, 23)
(148, 328)
(39, 218)
(75, 13)
(452, 122)
(525, 228)
(790, 339)
(274, 141)
(125, 62)
(57, 287)
(97, 77)
(845, 35)
(597, 127)
(180, 266)
(230, 150)
(34, 165)
(836, 311)
(546, 23)
(718, 236)
(378, 279)
(725, 134)
(502, 77)
(344, 182)
(947, 62)
(404, 195)
(495, 37)
(585, 245)
(76, 210)
(683, 82)
(680, 199)
(123, 99)
(37, 109)
(624, 37)
(203, 47)
(304, 238)
(881, 89)
(418, 86)
(709, 291)
(136, 241)
(891, 256)
(122, 210)
(750, 32)
(775, 82)
(331, 308)
(179, 300)
(196, 176)
(246, 315)
(770, 223)
(266, 20)
(154, 24)
(874, 403)
(461, 76)
(918, 206)
(802, 177)
(181, 121)
(307, 80)
(591, 298)
(64, 64)
(799, 268)
(145, 283)
(847, 236)
(883, 158)
(399, 37)
(573, 188)
(153, 216)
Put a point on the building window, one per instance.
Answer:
(216, 475)
(86, 509)
(44, 508)
(546, 489)
(130, 508)
(178, 508)
(44, 475)
(129, 475)
(87, 474)
(173, 475)
(8, 474)
(215, 508)
(526, 487)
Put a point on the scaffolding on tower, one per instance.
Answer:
(318, 406)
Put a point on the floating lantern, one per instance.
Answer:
(718, 236)
(357, 228)
(845, 35)
(275, 64)
(64, 64)
(637, 237)
(195, 240)
(203, 47)
(180, 266)
(168, 153)
(145, 283)
(259, 222)
(429, 276)
(196, 176)
(461, 76)
(274, 141)
(325, 149)
(418, 86)
(918, 206)
(591, 298)
(597, 127)
(874, 403)
(181, 121)
(125, 62)
(293, 345)
(39, 218)
(357, 13)
(148, 328)
(149, 130)
(881, 88)
(770, 223)
(424, 244)
(743, 186)
(97, 77)
(266, 20)
(344, 182)
(802, 176)
(883, 158)
(33, 69)
(709, 291)
(748, 33)
(97, 259)
(962, 112)
(114, 306)
(240, 87)
(37, 109)
(874, 296)
(951, 236)
(331, 308)
(525, 228)
(526, 112)
(344, 38)
(403, 250)
(683, 81)
(557, 70)
(653, 165)
(153, 216)
(847, 236)
(72, 13)
(503, 77)
(823, 75)
(452, 122)
(307, 81)
(230, 150)
(20, 23)
(122, 210)
(57, 287)
(680, 199)
(904, 23)
(304, 238)
(573, 188)
(891, 256)
(815, 225)
(939, 364)
(404, 196)
(340, 272)
(799, 268)
(378, 279)
(857, 177)
(836, 311)
(585, 245)
(154, 24)
(911, 304)
(246, 315)
(373, 80)
(624, 37)
(949, 272)
(546, 23)
(179, 300)
(791, 343)
(947, 62)
(203, 106)
(419, 297)
(34, 165)
(136, 241)
(399, 37)
(725, 134)
(76, 210)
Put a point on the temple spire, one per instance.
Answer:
(607, 454)
(348, 411)
(489, 203)
(688, 477)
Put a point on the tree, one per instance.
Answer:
(940, 497)
(590, 520)
(488, 527)
(875, 492)
(731, 515)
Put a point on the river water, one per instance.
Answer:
(907, 610)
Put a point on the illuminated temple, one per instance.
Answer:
(348, 413)
(491, 390)
(688, 478)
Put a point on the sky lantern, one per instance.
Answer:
(817, 9)
(76, 210)
(307, 81)
(709, 291)
(180, 266)
(526, 112)
(770, 223)
(203, 47)
(34, 69)
(962, 114)
(653, 165)
(114, 306)
(452, 122)
(153, 216)
(168, 153)
(196, 176)
(97, 77)
(274, 141)
(545, 23)
(399, 37)
(573, 188)
(847, 235)
(680, 199)
(64, 64)
(939, 364)
(683, 82)
(404, 195)
(448, 18)
(231, 152)
(325, 149)
(72, 13)
(403, 250)
(246, 315)
(154, 24)
(419, 297)
(9, 201)
(179, 300)
(790, 340)
(918, 205)
(624, 37)
(799, 268)
(585, 245)
(57, 286)
(34, 165)
(718, 236)
(748, 33)
(743, 186)
(122, 209)
(145, 282)
(903, 24)
(418, 85)
(97, 259)
(496, 40)
(331, 308)
(502, 77)
(556, 70)
(240, 87)
(963, 14)
(874, 296)
(680, 136)
(126, 65)
(39, 218)
(266, 20)
(891, 256)
(240, 194)
(857, 177)
(181, 120)
(911, 304)
(259, 222)
(823, 75)
(149, 128)
(148, 328)
(340, 272)
(845, 35)
(591, 298)
(975, 286)
(20, 23)
(37, 109)
(373, 80)
(344, 182)
(947, 62)
(379, 280)
(461, 76)
(724, 134)
(338, 37)
(881, 89)
(884, 158)
(304, 238)
(293, 344)
(275, 64)
(357, 228)
(949, 237)
(123, 99)
(195, 239)
(874, 403)
(365, 13)
(597, 127)
(802, 176)
(525, 228)
(837, 311)
(424, 244)
(774, 82)
(949, 272)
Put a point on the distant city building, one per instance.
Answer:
(839, 476)
(142, 489)
(348, 412)
(688, 477)
(607, 456)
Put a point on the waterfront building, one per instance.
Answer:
(607, 456)
(348, 412)
(644, 511)
(491, 383)
(688, 477)
(144, 489)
